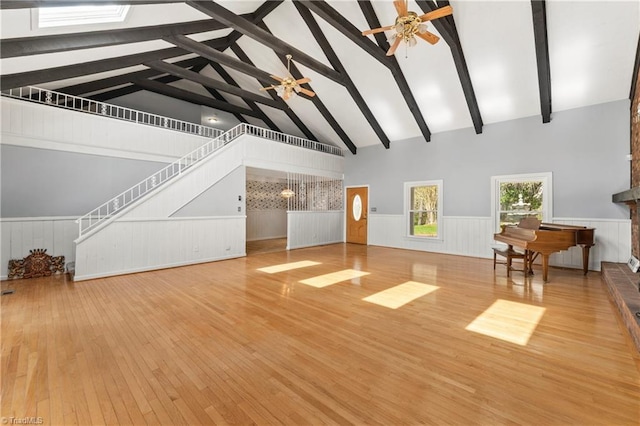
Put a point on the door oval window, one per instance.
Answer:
(357, 207)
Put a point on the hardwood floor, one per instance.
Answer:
(225, 343)
(266, 246)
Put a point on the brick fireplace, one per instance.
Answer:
(623, 284)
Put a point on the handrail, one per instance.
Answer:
(63, 100)
(99, 215)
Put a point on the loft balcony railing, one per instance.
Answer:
(63, 100)
(98, 216)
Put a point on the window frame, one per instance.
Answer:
(408, 210)
(71, 16)
(547, 194)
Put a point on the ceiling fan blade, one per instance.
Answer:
(394, 46)
(268, 88)
(307, 92)
(438, 13)
(303, 80)
(275, 77)
(377, 30)
(401, 7)
(429, 37)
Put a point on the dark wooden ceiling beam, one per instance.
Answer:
(33, 4)
(403, 85)
(210, 82)
(26, 46)
(349, 30)
(260, 13)
(447, 29)
(132, 88)
(118, 80)
(292, 115)
(539, 12)
(129, 89)
(317, 102)
(194, 98)
(335, 62)
(251, 30)
(230, 80)
(216, 56)
(31, 78)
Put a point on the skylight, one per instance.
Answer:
(80, 15)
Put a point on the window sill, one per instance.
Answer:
(425, 239)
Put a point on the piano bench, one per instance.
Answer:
(509, 254)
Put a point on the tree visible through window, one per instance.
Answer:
(424, 206)
(520, 196)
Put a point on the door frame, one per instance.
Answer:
(344, 201)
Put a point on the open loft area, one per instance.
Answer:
(491, 62)
(304, 212)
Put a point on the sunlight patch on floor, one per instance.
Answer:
(509, 321)
(333, 278)
(400, 295)
(288, 266)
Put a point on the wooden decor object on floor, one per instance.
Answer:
(37, 264)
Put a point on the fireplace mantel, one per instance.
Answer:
(632, 194)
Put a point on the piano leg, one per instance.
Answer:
(545, 267)
(585, 259)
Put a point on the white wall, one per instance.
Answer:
(19, 235)
(34, 125)
(266, 224)
(138, 244)
(314, 228)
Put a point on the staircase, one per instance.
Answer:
(101, 215)
(143, 228)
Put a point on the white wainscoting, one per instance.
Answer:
(266, 224)
(42, 126)
(314, 228)
(473, 236)
(135, 245)
(19, 235)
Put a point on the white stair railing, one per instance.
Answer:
(63, 100)
(99, 215)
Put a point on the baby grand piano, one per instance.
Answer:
(548, 238)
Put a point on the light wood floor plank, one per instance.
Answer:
(225, 343)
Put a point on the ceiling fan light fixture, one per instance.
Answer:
(287, 193)
(288, 85)
(409, 24)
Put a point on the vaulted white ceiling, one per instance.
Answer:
(591, 48)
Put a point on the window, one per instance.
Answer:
(80, 15)
(423, 204)
(515, 197)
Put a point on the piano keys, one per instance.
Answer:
(549, 238)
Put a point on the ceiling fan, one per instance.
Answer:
(409, 25)
(289, 86)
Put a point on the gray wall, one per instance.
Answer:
(160, 105)
(584, 148)
(221, 199)
(42, 183)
